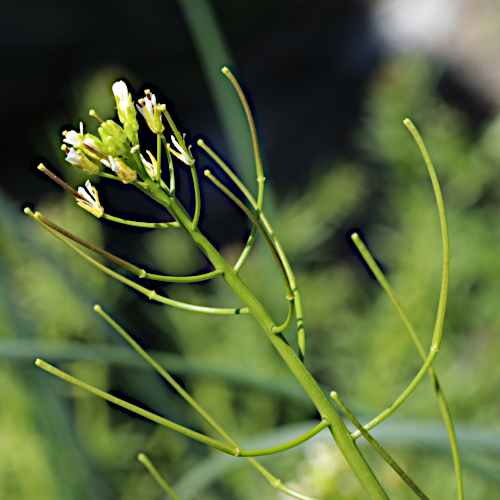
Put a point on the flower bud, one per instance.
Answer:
(114, 137)
(131, 134)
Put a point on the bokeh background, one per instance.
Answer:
(330, 83)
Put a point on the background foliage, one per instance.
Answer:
(59, 443)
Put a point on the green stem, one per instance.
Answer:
(140, 167)
(275, 482)
(443, 406)
(403, 396)
(318, 397)
(168, 378)
(152, 225)
(139, 411)
(274, 238)
(197, 198)
(107, 176)
(378, 448)
(158, 158)
(151, 294)
(289, 318)
(184, 279)
(438, 328)
(251, 216)
(154, 472)
(246, 251)
(113, 258)
(173, 127)
(170, 165)
(123, 263)
(288, 446)
(255, 141)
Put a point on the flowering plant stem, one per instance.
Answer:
(318, 397)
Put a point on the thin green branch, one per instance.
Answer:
(158, 158)
(113, 258)
(136, 409)
(184, 279)
(159, 479)
(325, 407)
(251, 216)
(403, 396)
(246, 250)
(174, 128)
(170, 164)
(275, 482)
(197, 197)
(445, 412)
(378, 448)
(288, 446)
(438, 328)
(108, 176)
(251, 238)
(255, 141)
(141, 170)
(152, 225)
(166, 375)
(126, 265)
(289, 318)
(151, 294)
(279, 249)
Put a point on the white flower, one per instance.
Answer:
(147, 105)
(81, 161)
(182, 155)
(90, 200)
(124, 172)
(74, 138)
(151, 168)
(73, 158)
(152, 112)
(125, 108)
(120, 91)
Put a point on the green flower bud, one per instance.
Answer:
(131, 134)
(114, 137)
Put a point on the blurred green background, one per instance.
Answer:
(329, 99)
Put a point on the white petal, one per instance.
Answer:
(85, 195)
(73, 158)
(185, 157)
(120, 89)
(73, 138)
(106, 162)
(90, 142)
(141, 110)
(149, 107)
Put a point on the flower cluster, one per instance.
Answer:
(117, 146)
